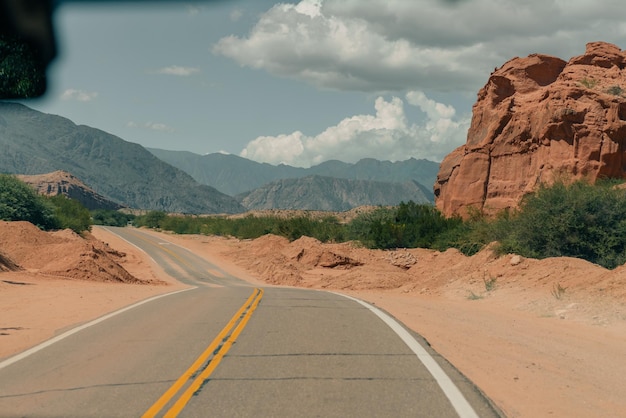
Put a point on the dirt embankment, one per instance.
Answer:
(540, 337)
(65, 254)
(51, 281)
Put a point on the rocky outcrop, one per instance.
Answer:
(539, 118)
(62, 182)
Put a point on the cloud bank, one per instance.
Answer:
(400, 45)
(387, 135)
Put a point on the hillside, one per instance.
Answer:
(330, 194)
(234, 175)
(62, 182)
(35, 143)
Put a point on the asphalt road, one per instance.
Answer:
(228, 349)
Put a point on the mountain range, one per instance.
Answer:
(130, 175)
(234, 175)
(330, 194)
(32, 142)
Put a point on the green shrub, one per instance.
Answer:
(70, 213)
(326, 229)
(475, 233)
(577, 220)
(21, 73)
(20, 202)
(111, 217)
(615, 90)
(408, 225)
(371, 228)
(153, 219)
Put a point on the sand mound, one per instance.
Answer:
(565, 287)
(309, 252)
(6, 264)
(60, 254)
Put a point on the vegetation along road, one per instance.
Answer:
(225, 348)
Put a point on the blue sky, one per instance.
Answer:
(303, 82)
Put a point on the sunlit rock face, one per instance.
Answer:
(539, 118)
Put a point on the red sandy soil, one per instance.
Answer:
(542, 338)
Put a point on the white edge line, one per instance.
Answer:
(79, 328)
(124, 239)
(452, 392)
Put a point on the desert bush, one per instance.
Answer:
(111, 217)
(590, 83)
(473, 234)
(368, 228)
(576, 220)
(152, 219)
(408, 225)
(327, 229)
(70, 213)
(20, 202)
(615, 90)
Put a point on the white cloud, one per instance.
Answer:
(79, 95)
(153, 126)
(386, 135)
(399, 45)
(177, 70)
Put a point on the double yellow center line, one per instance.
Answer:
(218, 349)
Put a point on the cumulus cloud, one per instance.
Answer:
(79, 95)
(387, 135)
(153, 126)
(397, 45)
(177, 70)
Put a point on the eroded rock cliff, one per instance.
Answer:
(536, 119)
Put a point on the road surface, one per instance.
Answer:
(225, 348)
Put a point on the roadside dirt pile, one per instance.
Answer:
(563, 287)
(538, 118)
(65, 254)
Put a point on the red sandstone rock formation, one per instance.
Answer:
(538, 118)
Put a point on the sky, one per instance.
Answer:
(303, 82)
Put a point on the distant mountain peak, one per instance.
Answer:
(317, 192)
(33, 142)
(234, 175)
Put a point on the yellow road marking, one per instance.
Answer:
(226, 338)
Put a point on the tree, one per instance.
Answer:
(154, 219)
(21, 75)
(71, 214)
(20, 202)
(111, 217)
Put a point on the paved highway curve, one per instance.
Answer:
(224, 348)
